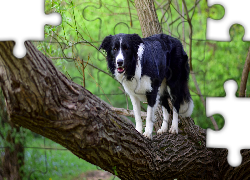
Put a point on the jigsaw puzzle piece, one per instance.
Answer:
(236, 12)
(24, 21)
(236, 114)
(91, 13)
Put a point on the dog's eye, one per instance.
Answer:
(114, 49)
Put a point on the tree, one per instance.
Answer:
(42, 99)
(12, 158)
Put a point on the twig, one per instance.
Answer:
(130, 15)
(244, 77)
(122, 116)
(143, 107)
(184, 14)
(183, 27)
(203, 100)
(199, 10)
(125, 96)
(84, 62)
(190, 34)
(163, 14)
(127, 112)
(190, 62)
(194, 9)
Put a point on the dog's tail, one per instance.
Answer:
(186, 108)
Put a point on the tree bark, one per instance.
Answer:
(43, 100)
(148, 18)
(12, 161)
(245, 72)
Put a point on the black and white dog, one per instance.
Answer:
(151, 69)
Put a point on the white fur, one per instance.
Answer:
(136, 89)
(174, 127)
(169, 92)
(137, 110)
(138, 86)
(120, 55)
(164, 126)
(150, 119)
(140, 51)
(186, 109)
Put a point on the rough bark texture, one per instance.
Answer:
(245, 72)
(12, 159)
(43, 100)
(148, 18)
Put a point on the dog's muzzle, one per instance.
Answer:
(120, 67)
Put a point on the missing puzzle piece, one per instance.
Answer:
(236, 12)
(26, 20)
(236, 114)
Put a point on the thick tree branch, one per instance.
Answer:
(43, 100)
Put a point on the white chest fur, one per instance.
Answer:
(139, 85)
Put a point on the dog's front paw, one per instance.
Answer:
(139, 129)
(162, 130)
(174, 129)
(148, 134)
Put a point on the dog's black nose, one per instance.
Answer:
(120, 62)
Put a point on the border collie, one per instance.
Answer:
(151, 69)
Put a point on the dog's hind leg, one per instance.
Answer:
(153, 101)
(176, 97)
(137, 110)
(174, 127)
(164, 126)
(176, 108)
(165, 95)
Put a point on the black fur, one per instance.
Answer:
(163, 57)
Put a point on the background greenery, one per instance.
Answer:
(72, 47)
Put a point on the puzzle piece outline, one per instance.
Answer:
(18, 30)
(114, 31)
(219, 29)
(225, 137)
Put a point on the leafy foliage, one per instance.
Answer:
(213, 62)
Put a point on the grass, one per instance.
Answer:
(52, 163)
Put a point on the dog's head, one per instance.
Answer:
(122, 52)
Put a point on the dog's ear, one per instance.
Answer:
(106, 43)
(136, 39)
